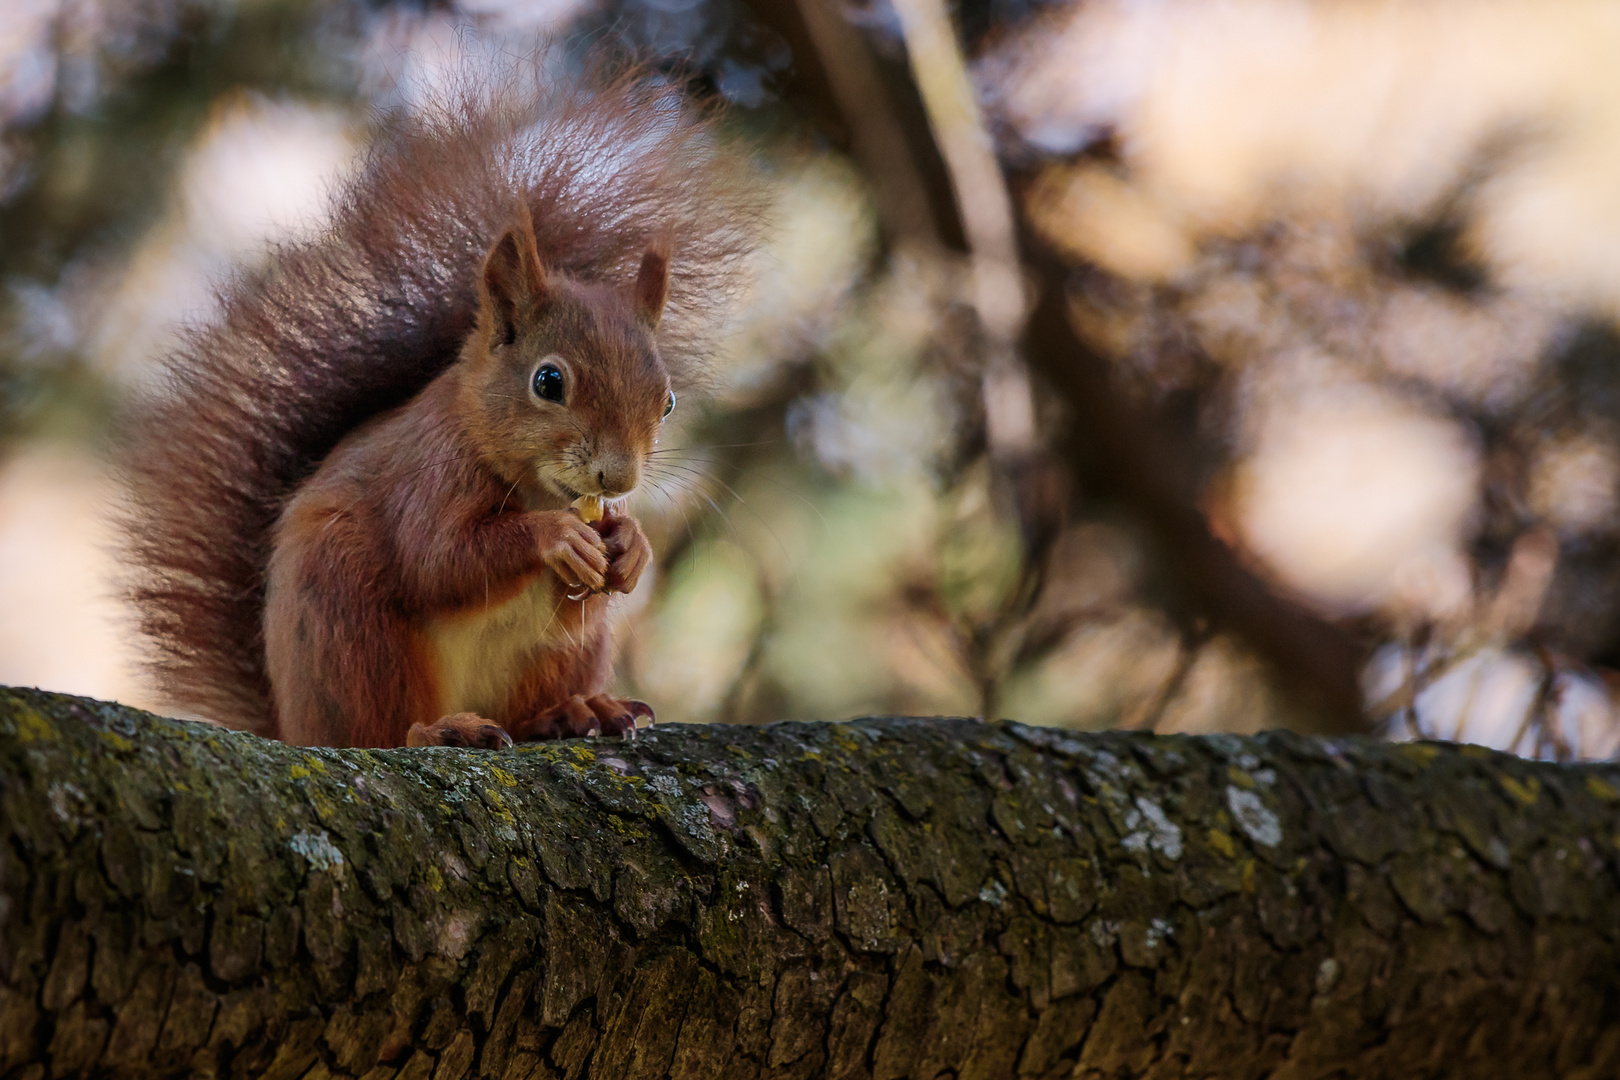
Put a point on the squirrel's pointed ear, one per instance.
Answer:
(652, 285)
(514, 279)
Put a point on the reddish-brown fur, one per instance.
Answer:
(324, 419)
(431, 524)
(405, 522)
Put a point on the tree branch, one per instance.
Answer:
(886, 898)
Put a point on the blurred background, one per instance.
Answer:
(1143, 363)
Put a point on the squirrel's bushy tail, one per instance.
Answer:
(339, 329)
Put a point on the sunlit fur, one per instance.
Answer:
(332, 337)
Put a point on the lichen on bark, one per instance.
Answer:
(884, 898)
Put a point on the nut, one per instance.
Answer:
(589, 508)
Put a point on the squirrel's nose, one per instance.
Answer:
(617, 475)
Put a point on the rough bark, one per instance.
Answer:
(884, 898)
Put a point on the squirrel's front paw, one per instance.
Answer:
(627, 549)
(572, 549)
(580, 717)
(461, 729)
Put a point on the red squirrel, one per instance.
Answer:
(349, 514)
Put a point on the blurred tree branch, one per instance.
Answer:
(1115, 448)
(1118, 449)
(877, 136)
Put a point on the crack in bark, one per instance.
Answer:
(884, 899)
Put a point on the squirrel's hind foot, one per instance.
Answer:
(461, 729)
(582, 717)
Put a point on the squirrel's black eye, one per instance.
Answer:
(669, 405)
(548, 383)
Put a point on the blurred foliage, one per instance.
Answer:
(1353, 402)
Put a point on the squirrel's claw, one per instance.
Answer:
(628, 552)
(461, 729)
(584, 717)
(572, 550)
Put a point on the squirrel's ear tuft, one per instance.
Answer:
(652, 285)
(514, 279)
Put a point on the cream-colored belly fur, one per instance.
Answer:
(481, 655)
